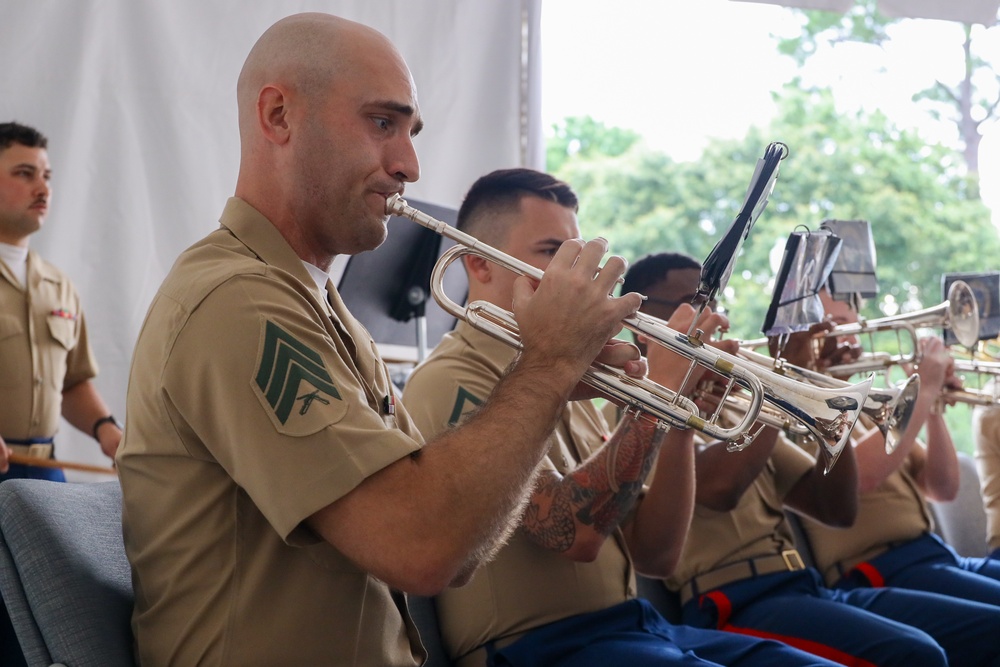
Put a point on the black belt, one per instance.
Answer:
(30, 441)
(39, 448)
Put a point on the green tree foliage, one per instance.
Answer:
(585, 137)
(862, 23)
(966, 104)
(926, 215)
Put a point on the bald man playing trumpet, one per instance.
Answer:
(277, 501)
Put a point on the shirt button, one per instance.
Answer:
(38, 382)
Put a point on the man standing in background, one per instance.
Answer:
(47, 363)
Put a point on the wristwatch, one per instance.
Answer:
(105, 420)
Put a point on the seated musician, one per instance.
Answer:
(740, 571)
(563, 590)
(986, 434)
(892, 543)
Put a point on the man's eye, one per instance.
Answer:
(381, 123)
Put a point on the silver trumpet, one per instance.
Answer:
(988, 395)
(828, 414)
(959, 313)
(889, 408)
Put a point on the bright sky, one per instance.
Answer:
(678, 71)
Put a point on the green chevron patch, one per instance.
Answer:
(285, 363)
(464, 397)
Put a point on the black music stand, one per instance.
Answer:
(388, 287)
(853, 277)
(805, 267)
(718, 266)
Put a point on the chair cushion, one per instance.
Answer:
(65, 541)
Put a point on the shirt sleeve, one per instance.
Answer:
(270, 392)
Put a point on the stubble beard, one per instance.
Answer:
(20, 226)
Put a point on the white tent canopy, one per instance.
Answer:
(138, 102)
(962, 11)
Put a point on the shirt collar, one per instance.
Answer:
(260, 235)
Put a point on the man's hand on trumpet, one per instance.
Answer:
(668, 368)
(569, 318)
(936, 370)
(814, 350)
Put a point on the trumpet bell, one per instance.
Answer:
(828, 414)
(892, 408)
(963, 314)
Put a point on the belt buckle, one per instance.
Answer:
(39, 451)
(793, 561)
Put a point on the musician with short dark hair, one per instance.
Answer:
(47, 364)
(277, 498)
(562, 591)
(740, 570)
(893, 543)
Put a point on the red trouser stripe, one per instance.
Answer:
(822, 650)
(724, 609)
(873, 576)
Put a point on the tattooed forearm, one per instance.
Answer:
(599, 493)
(548, 518)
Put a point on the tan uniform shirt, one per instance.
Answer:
(525, 586)
(252, 404)
(756, 527)
(893, 512)
(43, 349)
(986, 434)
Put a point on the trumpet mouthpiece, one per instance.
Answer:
(392, 203)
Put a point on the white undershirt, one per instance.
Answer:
(320, 277)
(16, 259)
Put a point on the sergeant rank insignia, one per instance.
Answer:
(292, 376)
(465, 402)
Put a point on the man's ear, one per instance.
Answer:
(272, 115)
(478, 268)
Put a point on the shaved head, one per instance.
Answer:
(305, 53)
(327, 114)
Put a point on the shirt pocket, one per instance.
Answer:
(63, 331)
(15, 355)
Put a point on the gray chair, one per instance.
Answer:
(962, 522)
(63, 573)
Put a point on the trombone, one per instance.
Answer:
(959, 313)
(828, 414)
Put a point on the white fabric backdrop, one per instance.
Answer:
(137, 98)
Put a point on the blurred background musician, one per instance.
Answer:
(740, 570)
(563, 590)
(891, 544)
